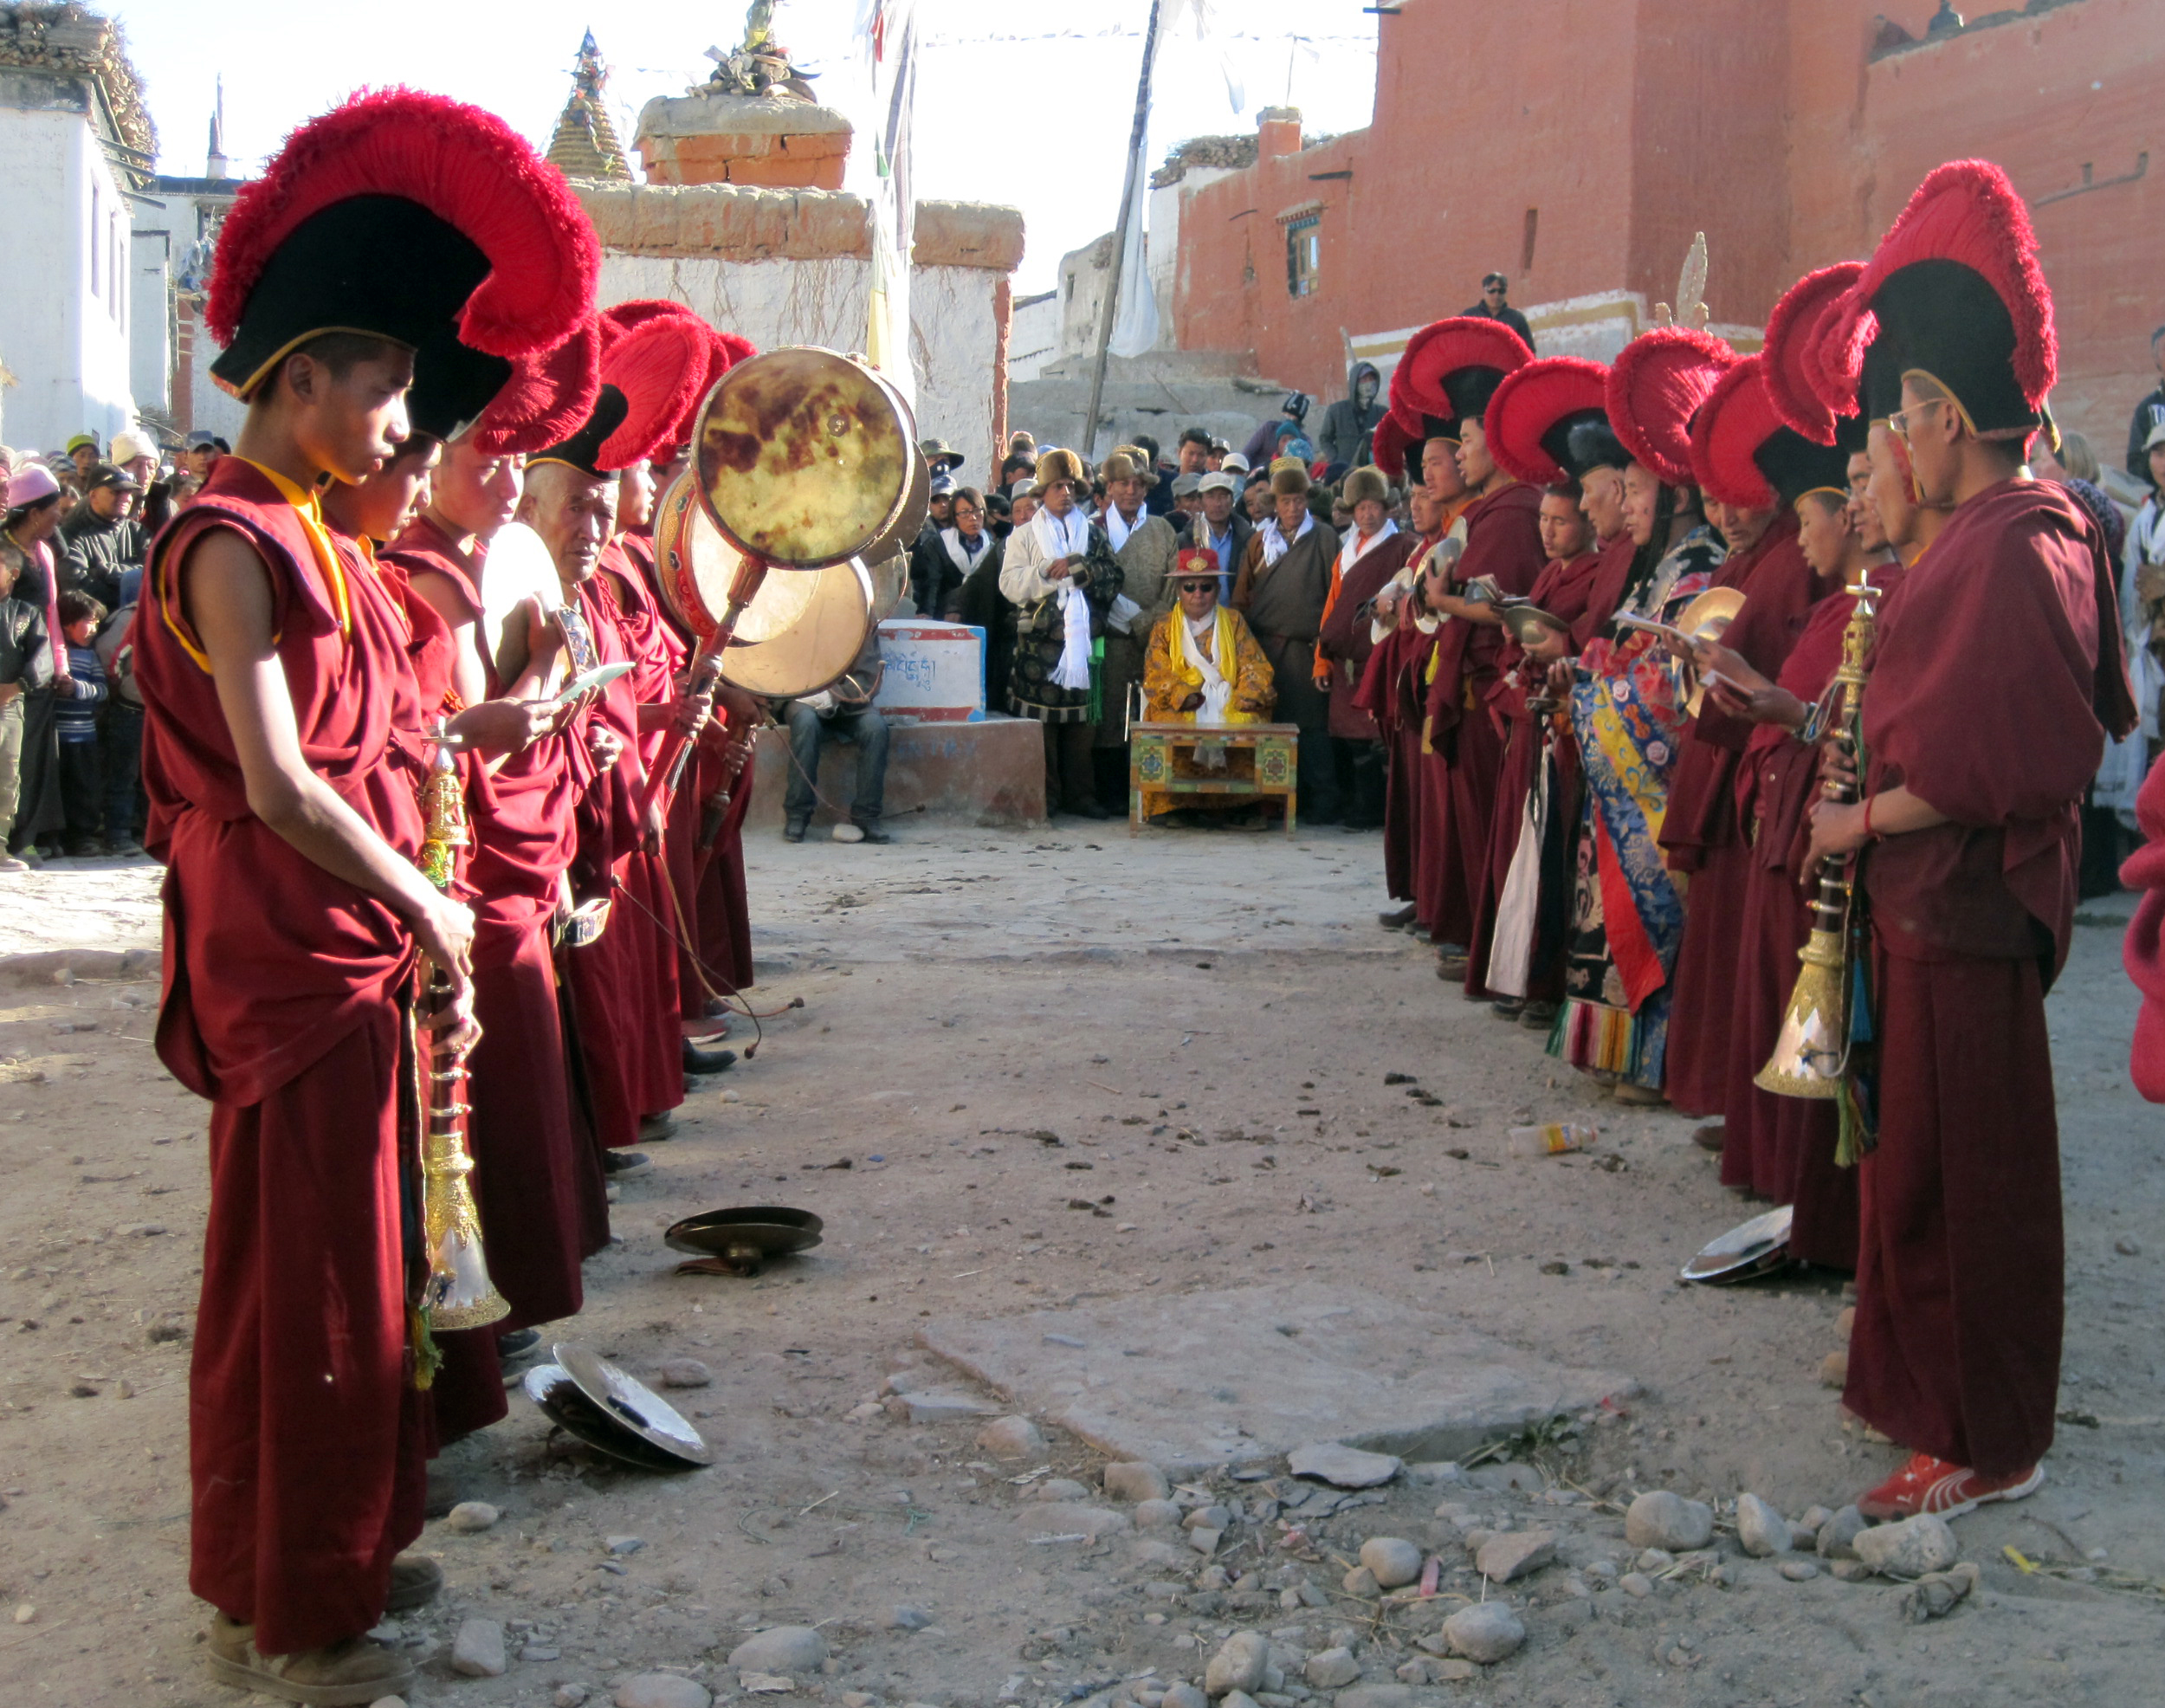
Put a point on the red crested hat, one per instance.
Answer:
(1391, 441)
(547, 398)
(1954, 291)
(1531, 416)
(621, 318)
(410, 217)
(1197, 560)
(1451, 367)
(1656, 382)
(1742, 453)
(1793, 376)
(658, 364)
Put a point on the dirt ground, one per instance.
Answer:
(1141, 999)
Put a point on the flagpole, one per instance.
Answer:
(1135, 143)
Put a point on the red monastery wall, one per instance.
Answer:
(1614, 130)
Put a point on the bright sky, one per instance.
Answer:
(1032, 109)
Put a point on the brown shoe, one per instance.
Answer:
(350, 1674)
(1710, 1136)
(415, 1581)
(1632, 1094)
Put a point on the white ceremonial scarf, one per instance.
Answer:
(1217, 693)
(1359, 545)
(1275, 544)
(1068, 537)
(1117, 527)
(958, 554)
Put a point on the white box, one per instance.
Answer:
(934, 672)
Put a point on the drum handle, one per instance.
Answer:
(669, 767)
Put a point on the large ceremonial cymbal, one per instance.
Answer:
(1749, 1249)
(804, 457)
(585, 1394)
(799, 633)
(1707, 618)
(745, 1237)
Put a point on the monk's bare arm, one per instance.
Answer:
(227, 600)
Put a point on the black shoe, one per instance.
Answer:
(1508, 1008)
(618, 1163)
(794, 831)
(1397, 920)
(697, 1060)
(517, 1344)
(872, 833)
(1089, 809)
(1538, 1016)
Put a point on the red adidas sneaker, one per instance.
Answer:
(1928, 1485)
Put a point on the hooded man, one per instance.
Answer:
(1349, 425)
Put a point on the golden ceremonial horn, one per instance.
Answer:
(1807, 1056)
(458, 1293)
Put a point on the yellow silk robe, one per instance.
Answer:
(1168, 680)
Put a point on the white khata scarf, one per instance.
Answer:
(1217, 693)
(1118, 528)
(1275, 544)
(958, 552)
(1068, 537)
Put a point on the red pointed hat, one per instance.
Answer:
(547, 399)
(407, 217)
(1451, 367)
(1530, 419)
(1792, 371)
(1742, 453)
(1656, 382)
(1954, 291)
(1391, 442)
(659, 364)
(621, 318)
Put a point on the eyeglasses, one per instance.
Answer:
(1898, 424)
(1202, 586)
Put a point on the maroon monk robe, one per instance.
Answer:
(1783, 1148)
(537, 1180)
(284, 1004)
(1384, 696)
(629, 1038)
(1561, 590)
(1503, 543)
(1700, 833)
(1345, 641)
(723, 904)
(1997, 674)
(2143, 953)
(1605, 589)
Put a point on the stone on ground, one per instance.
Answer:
(471, 1515)
(478, 1650)
(662, 1689)
(1183, 1695)
(1487, 1632)
(1331, 1668)
(1238, 1664)
(1341, 1466)
(1059, 1517)
(1248, 1374)
(1375, 1696)
(1513, 1554)
(1392, 1561)
(685, 1373)
(1910, 1549)
(906, 1618)
(1152, 1515)
(1661, 1519)
(1014, 1438)
(1136, 1480)
(794, 1649)
(1362, 1583)
(1838, 1535)
(1763, 1531)
(1935, 1593)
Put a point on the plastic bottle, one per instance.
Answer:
(1552, 1140)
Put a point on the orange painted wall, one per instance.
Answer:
(1629, 124)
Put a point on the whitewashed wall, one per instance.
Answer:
(953, 324)
(67, 348)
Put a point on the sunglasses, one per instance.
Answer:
(1199, 585)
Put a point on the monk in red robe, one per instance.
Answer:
(283, 755)
(1736, 438)
(1997, 676)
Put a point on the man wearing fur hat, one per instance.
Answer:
(1061, 574)
(1145, 545)
(1372, 551)
(1284, 583)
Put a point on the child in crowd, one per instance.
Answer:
(78, 695)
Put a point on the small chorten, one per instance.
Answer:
(753, 121)
(585, 144)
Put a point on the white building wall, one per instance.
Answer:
(67, 348)
(1033, 337)
(954, 329)
(151, 320)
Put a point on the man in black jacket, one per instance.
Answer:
(1494, 288)
(1222, 528)
(2148, 414)
(100, 539)
(26, 665)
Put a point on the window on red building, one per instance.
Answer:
(1303, 255)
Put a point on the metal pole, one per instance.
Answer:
(1135, 140)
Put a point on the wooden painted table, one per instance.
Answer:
(1151, 749)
